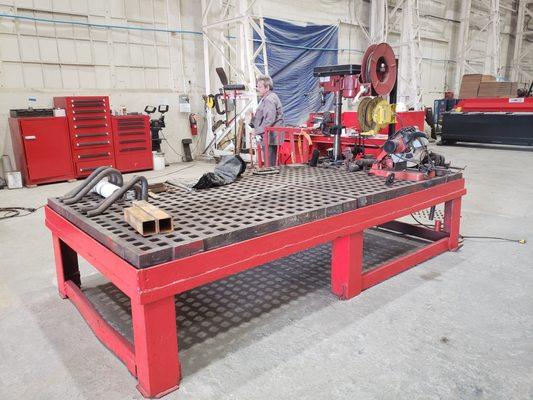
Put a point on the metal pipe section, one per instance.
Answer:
(338, 126)
(77, 189)
(104, 205)
(113, 174)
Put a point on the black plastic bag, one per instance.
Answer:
(227, 171)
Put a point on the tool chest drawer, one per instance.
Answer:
(93, 154)
(91, 135)
(132, 142)
(84, 168)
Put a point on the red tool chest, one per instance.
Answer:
(132, 142)
(91, 136)
(41, 146)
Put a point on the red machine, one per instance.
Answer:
(133, 146)
(42, 149)
(375, 76)
(89, 121)
(405, 156)
(490, 120)
(497, 104)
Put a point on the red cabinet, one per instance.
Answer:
(91, 135)
(132, 142)
(42, 149)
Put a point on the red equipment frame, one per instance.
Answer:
(288, 150)
(153, 356)
(496, 104)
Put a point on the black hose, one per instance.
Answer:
(114, 176)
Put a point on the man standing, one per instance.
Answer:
(269, 113)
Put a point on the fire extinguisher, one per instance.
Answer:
(193, 122)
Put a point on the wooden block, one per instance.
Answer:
(140, 220)
(164, 223)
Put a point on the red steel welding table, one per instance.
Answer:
(222, 231)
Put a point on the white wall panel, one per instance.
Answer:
(79, 6)
(101, 53)
(48, 50)
(52, 77)
(103, 78)
(61, 6)
(136, 55)
(13, 76)
(122, 78)
(42, 4)
(150, 56)
(133, 10)
(9, 48)
(121, 54)
(87, 77)
(98, 7)
(84, 52)
(69, 74)
(33, 76)
(147, 9)
(116, 8)
(30, 48)
(137, 78)
(67, 51)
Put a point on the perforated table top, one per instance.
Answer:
(252, 206)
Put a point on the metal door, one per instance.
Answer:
(47, 147)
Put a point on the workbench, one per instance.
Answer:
(222, 231)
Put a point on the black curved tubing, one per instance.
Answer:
(114, 175)
(77, 189)
(104, 205)
(114, 179)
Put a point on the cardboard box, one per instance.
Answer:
(470, 84)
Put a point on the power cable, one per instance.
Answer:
(14, 212)
(462, 237)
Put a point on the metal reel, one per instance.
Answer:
(373, 114)
(379, 68)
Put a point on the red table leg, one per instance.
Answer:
(347, 265)
(156, 347)
(66, 265)
(452, 221)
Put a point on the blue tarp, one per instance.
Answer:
(292, 53)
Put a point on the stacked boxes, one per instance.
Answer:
(478, 85)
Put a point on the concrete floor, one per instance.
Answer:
(459, 326)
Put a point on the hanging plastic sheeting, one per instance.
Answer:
(292, 53)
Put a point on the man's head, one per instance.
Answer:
(264, 85)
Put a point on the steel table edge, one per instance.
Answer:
(186, 273)
(115, 269)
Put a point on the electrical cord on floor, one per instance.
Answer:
(171, 148)
(172, 172)
(420, 223)
(13, 212)
(520, 241)
(463, 237)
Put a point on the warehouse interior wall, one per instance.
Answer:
(136, 67)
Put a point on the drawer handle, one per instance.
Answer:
(92, 168)
(95, 155)
(83, 135)
(90, 126)
(92, 143)
(32, 137)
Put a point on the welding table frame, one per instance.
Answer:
(153, 356)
